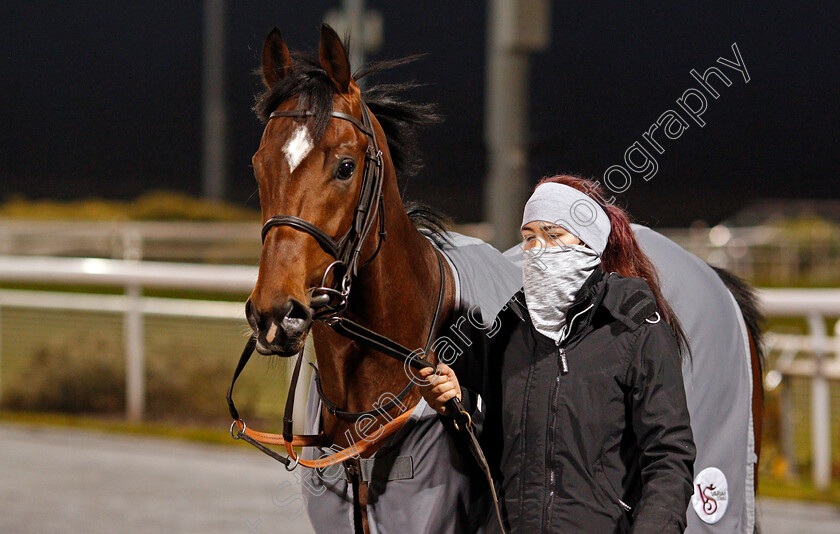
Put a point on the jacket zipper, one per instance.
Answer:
(564, 369)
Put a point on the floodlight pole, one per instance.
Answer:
(363, 26)
(515, 28)
(214, 119)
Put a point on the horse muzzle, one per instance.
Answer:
(281, 330)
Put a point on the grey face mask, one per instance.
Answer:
(551, 280)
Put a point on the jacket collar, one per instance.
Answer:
(587, 302)
(590, 292)
(624, 298)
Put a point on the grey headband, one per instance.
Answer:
(573, 210)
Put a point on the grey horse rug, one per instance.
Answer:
(718, 387)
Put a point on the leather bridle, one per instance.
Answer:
(346, 251)
(328, 302)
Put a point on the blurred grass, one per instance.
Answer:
(152, 206)
(808, 228)
(85, 374)
(799, 488)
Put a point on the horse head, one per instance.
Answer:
(310, 167)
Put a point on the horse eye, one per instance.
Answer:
(345, 169)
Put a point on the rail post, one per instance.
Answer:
(135, 364)
(786, 427)
(820, 407)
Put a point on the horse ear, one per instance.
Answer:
(334, 59)
(276, 61)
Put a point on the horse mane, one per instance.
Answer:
(400, 118)
(427, 218)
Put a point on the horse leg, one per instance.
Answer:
(757, 404)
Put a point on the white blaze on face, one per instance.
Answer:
(297, 147)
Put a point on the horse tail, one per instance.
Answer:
(747, 299)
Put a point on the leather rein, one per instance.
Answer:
(328, 303)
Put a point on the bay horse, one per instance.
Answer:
(326, 229)
(320, 142)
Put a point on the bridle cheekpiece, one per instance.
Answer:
(326, 300)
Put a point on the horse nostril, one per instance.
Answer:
(295, 317)
(297, 310)
(285, 308)
(251, 315)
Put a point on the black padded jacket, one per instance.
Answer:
(591, 434)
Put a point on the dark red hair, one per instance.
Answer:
(622, 254)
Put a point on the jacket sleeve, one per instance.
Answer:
(662, 427)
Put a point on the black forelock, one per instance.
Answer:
(401, 119)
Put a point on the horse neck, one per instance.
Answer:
(398, 292)
(396, 296)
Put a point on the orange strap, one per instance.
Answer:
(319, 440)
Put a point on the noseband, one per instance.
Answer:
(328, 300)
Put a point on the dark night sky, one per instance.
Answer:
(103, 98)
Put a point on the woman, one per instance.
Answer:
(588, 397)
